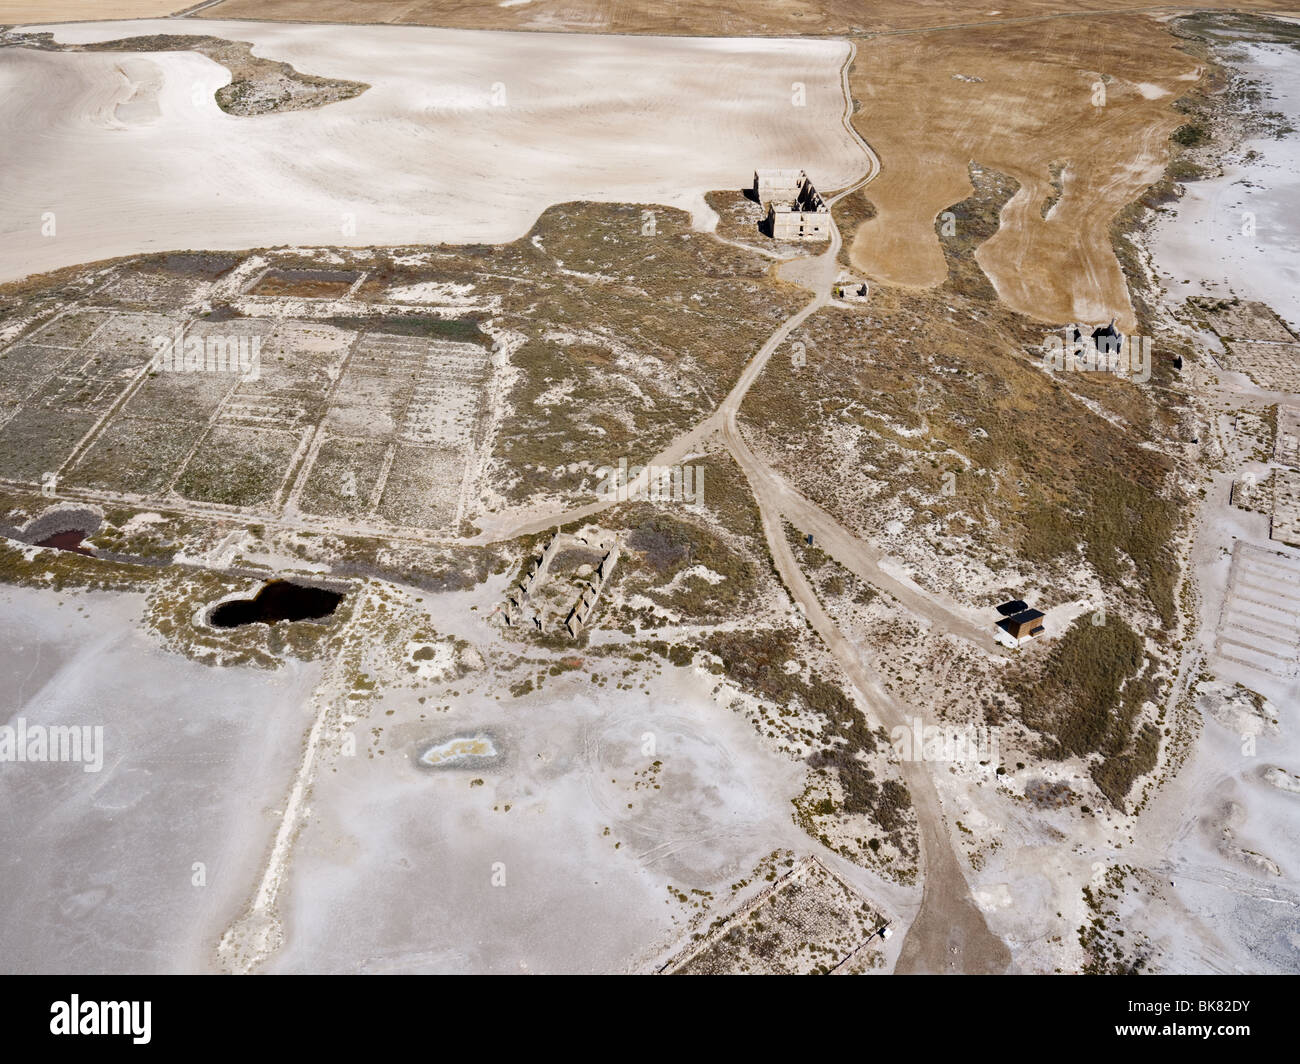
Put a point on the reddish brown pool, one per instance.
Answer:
(70, 540)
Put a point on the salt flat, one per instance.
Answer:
(1237, 233)
(562, 858)
(464, 136)
(101, 869)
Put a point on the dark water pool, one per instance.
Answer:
(279, 600)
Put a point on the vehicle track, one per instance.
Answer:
(949, 933)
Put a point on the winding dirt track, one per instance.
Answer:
(949, 933)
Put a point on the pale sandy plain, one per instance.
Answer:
(563, 858)
(97, 869)
(572, 853)
(464, 136)
(1236, 233)
(1225, 911)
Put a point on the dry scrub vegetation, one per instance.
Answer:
(694, 586)
(938, 435)
(808, 922)
(628, 339)
(606, 336)
(926, 423)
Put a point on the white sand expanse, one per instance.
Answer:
(464, 136)
(1227, 913)
(1233, 855)
(560, 858)
(1239, 234)
(97, 869)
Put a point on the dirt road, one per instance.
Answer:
(949, 933)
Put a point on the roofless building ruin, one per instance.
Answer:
(795, 209)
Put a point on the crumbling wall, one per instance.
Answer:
(581, 611)
(796, 210)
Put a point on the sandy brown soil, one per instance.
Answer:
(1021, 102)
(14, 11)
(739, 17)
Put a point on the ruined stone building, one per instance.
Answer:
(1106, 339)
(524, 601)
(581, 612)
(795, 209)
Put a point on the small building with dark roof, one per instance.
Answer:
(1023, 625)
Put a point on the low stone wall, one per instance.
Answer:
(519, 600)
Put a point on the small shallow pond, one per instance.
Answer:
(461, 751)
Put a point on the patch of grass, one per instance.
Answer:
(1083, 698)
(1122, 518)
(666, 545)
(848, 213)
(756, 661)
(1073, 699)
(913, 381)
(1190, 135)
(972, 222)
(465, 330)
(1115, 775)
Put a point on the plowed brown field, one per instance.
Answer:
(18, 11)
(1078, 115)
(707, 17)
